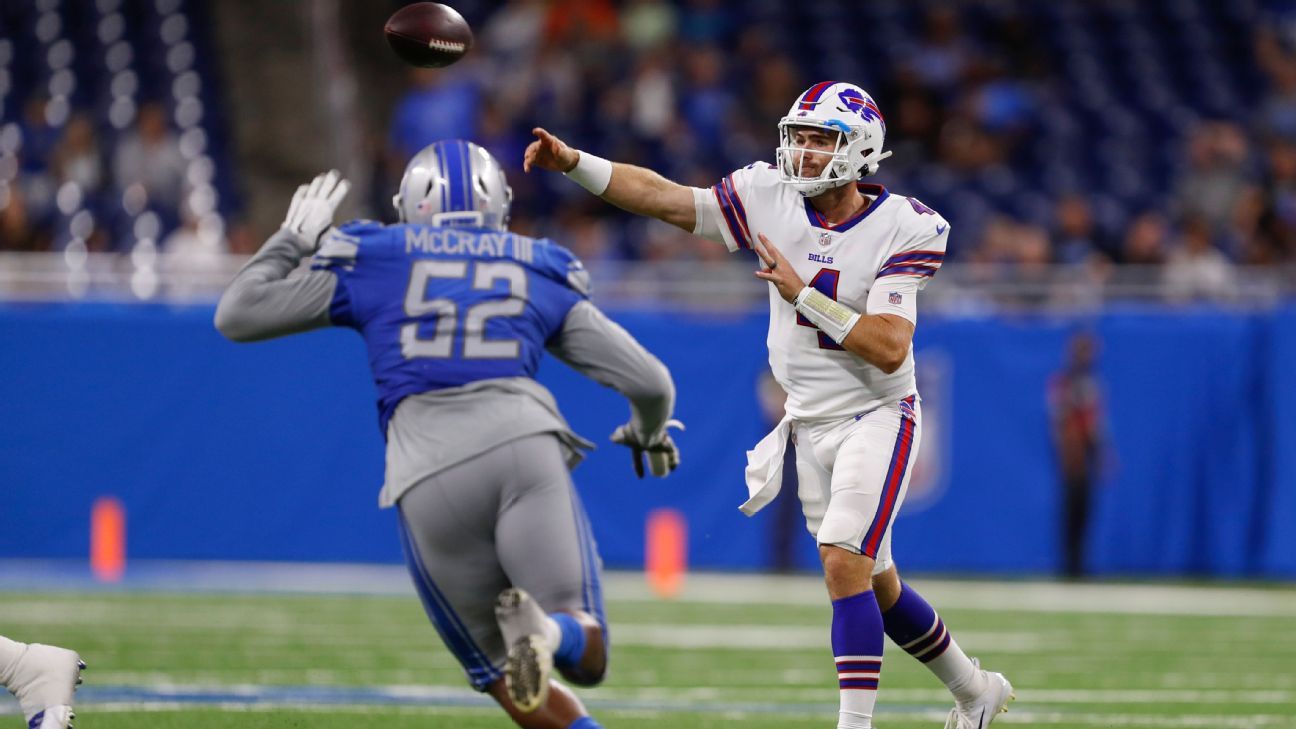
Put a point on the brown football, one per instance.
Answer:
(430, 35)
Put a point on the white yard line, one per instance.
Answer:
(657, 697)
(1029, 596)
(807, 590)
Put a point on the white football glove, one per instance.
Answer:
(311, 211)
(663, 456)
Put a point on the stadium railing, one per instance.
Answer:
(966, 289)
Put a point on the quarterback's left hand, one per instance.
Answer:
(312, 208)
(778, 270)
(663, 455)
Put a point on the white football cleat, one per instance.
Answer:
(43, 680)
(530, 661)
(979, 712)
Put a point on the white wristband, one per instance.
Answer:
(833, 318)
(591, 172)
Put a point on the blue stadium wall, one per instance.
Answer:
(271, 451)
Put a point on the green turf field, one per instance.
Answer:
(743, 653)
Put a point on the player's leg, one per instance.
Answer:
(913, 624)
(43, 678)
(448, 533)
(979, 695)
(547, 549)
(856, 634)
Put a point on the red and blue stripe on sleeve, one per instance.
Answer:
(735, 214)
(913, 263)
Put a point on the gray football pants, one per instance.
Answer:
(509, 517)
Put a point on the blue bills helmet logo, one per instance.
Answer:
(860, 103)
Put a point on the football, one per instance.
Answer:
(430, 35)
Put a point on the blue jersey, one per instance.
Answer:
(442, 307)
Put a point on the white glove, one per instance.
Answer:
(663, 456)
(311, 211)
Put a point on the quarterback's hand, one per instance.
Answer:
(663, 456)
(311, 211)
(777, 270)
(549, 153)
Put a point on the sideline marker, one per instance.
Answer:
(666, 552)
(108, 539)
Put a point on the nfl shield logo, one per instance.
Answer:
(894, 297)
(825, 240)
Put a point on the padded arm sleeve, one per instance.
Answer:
(263, 302)
(600, 349)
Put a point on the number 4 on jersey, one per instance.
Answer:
(826, 282)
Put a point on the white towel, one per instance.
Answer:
(765, 468)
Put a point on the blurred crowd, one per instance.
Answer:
(1081, 133)
(109, 133)
(1089, 134)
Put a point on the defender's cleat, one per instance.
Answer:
(44, 680)
(530, 661)
(984, 709)
(526, 674)
(55, 717)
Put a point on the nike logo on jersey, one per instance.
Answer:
(820, 259)
(941, 229)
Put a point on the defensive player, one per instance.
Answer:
(456, 312)
(841, 348)
(43, 679)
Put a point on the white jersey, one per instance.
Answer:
(875, 263)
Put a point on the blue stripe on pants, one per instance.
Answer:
(451, 629)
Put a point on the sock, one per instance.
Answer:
(857, 647)
(585, 722)
(10, 652)
(915, 627)
(569, 647)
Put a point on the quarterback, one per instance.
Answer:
(845, 261)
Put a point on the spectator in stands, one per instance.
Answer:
(39, 137)
(708, 102)
(943, 57)
(647, 25)
(17, 233)
(706, 22)
(149, 159)
(1217, 178)
(1276, 224)
(1075, 236)
(1196, 269)
(77, 157)
(1145, 240)
(36, 141)
(440, 104)
(1277, 112)
(652, 97)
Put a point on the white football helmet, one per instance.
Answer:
(453, 182)
(852, 114)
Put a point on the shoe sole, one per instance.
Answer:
(526, 673)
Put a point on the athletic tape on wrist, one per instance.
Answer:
(591, 172)
(833, 318)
